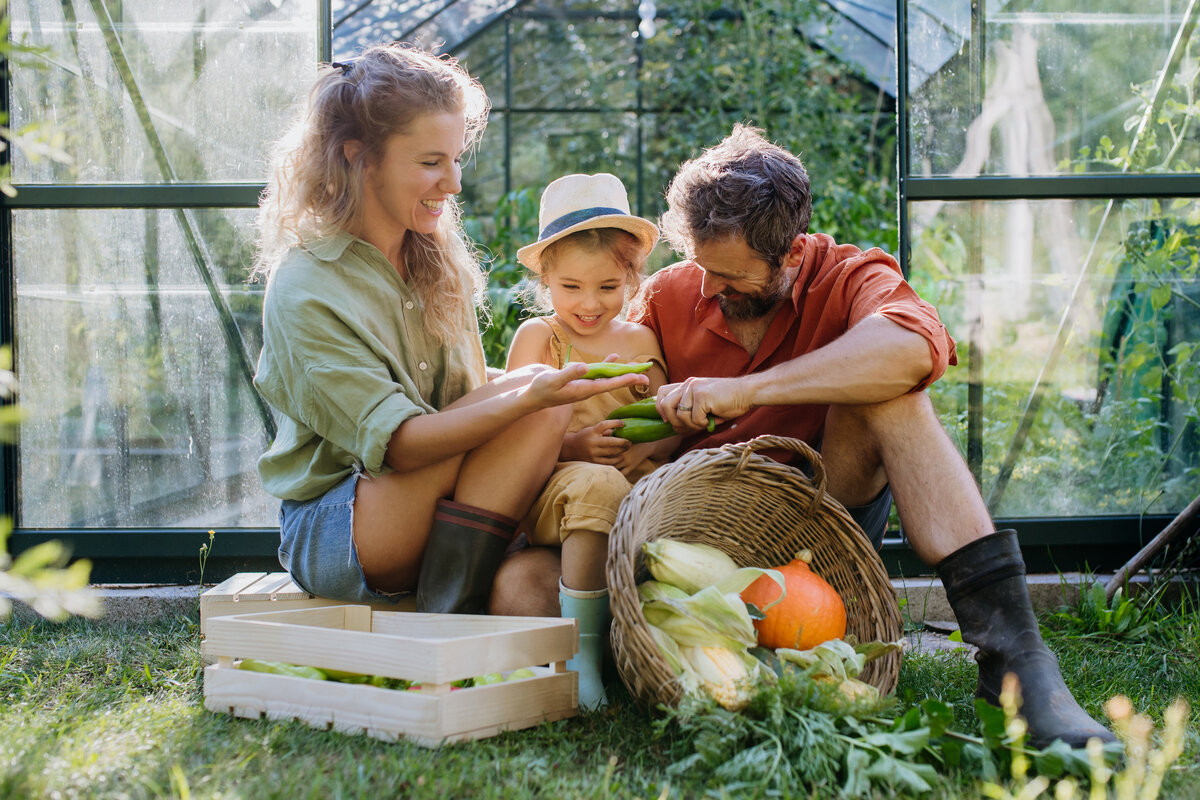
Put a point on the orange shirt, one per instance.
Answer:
(837, 287)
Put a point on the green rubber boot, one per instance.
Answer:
(591, 610)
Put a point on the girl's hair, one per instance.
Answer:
(622, 246)
(745, 186)
(315, 191)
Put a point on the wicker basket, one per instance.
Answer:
(761, 513)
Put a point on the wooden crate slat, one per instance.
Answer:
(425, 719)
(280, 586)
(318, 637)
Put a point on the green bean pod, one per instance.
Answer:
(280, 668)
(644, 409)
(638, 430)
(611, 369)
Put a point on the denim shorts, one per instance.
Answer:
(316, 546)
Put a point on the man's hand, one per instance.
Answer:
(595, 444)
(686, 405)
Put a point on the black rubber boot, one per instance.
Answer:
(985, 585)
(465, 547)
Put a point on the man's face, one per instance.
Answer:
(745, 284)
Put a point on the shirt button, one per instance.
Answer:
(408, 304)
(422, 365)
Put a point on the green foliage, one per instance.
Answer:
(723, 63)
(1123, 617)
(798, 738)
(512, 226)
(114, 709)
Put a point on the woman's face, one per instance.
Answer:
(587, 289)
(406, 189)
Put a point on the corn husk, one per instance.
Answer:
(689, 565)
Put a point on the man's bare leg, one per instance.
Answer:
(948, 525)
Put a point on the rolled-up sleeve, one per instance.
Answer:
(877, 287)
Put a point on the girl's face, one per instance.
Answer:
(587, 289)
(407, 187)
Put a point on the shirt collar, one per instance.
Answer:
(331, 247)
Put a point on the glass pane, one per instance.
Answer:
(140, 413)
(441, 25)
(1053, 87)
(575, 63)
(548, 146)
(160, 92)
(1078, 328)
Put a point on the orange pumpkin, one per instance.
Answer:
(810, 613)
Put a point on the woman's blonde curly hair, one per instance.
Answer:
(315, 191)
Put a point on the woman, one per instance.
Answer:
(399, 465)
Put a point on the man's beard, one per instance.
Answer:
(756, 306)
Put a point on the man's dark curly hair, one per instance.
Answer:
(745, 186)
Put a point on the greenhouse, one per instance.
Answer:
(1041, 196)
(1030, 164)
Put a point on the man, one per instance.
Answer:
(775, 330)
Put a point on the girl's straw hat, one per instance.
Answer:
(578, 202)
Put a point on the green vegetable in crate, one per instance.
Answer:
(637, 430)
(280, 668)
(612, 369)
(689, 565)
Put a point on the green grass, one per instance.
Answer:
(114, 710)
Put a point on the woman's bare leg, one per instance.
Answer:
(393, 513)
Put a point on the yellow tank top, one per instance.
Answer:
(596, 408)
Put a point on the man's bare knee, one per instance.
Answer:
(526, 584)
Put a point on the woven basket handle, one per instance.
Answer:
(784, 443)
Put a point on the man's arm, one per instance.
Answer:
(874, 361)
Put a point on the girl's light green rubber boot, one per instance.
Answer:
(591, 610)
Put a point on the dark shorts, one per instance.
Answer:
(316, 546)
(873, 517)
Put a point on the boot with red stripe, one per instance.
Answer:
(465, 547)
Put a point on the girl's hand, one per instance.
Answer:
(632, 458)
(594, 444)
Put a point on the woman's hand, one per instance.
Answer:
(595, 444)
(557, 387)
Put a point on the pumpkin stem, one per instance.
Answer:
(805, 555)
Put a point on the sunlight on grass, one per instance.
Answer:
(112, 710)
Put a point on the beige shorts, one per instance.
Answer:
(580, 496)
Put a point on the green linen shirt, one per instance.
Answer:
(346, 359)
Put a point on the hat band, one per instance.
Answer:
(575, 217)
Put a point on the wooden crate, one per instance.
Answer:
(433, 649)
(251, 592)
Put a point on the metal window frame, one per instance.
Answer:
(1050, 543)
(134, 555)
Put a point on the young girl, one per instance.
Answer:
(399, 465)
(588, 261)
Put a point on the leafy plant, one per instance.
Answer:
(1123, 617)
(512, 226)
(800, 738)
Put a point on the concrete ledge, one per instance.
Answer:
(923, 600)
